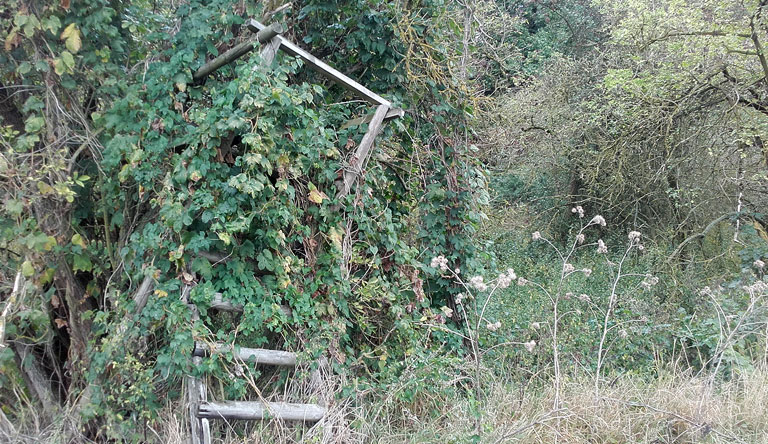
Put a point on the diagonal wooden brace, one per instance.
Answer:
(360, 159)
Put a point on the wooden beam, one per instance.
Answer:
(359, 160)
(318, 65)
(260, 355)
(221, 304)
(393, 113)
(261, 410)
(200, 429)
(264, 35)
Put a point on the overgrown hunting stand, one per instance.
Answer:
(201, 410)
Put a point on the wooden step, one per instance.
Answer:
(260, 410)
(219, 303)
(260, 355)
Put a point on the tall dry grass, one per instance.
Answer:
(675, 407)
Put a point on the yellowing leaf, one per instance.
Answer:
(225, 238)
(161, 293)
(71, 37)
(27, 269)
(335, 235)
(317, 196)
(44, 188)
(78, 240)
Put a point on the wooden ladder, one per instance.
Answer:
(201, 410)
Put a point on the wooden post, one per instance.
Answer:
(360, 159)
(197, 393)
(266, 34)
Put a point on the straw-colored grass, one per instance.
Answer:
(675, 408)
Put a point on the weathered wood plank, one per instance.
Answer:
(393, 113)
(196, 394)
(259, 355)
(323, 68)
(219, 303)
(259, 410)
(264, 35)
(360, 159)
(269, 52)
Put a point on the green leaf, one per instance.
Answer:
(27, 269)
(34, 124)
(82, 263)
(69, 60)
(24, 68)
(71, 37)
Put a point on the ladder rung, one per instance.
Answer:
(260, 410)
(260, 355)
(219, 303)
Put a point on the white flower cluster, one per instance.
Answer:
(493, 326)
(568, 268)
(601, 247)
(579, 210)
(521, 281)
(634, 237)
(758, 287)
(580, 238)
(460, 298)
(439, 262)
(649, 281)
(535, 325)
(598, 220)
(584, 298)
(477, 283)
(587, 271)
(759, 264)
(530, 345)
(536, 235)
(505, 279)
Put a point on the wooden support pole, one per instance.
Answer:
(263, 36)
(259, 355)
(197, 393)
(261, 410)
(323, 68)
(360, 159)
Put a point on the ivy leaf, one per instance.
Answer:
(34, 124)
(82, 262)
(335, 235)
(71, 37)
(317, 196)
(225, 237)
(78, 240)
(27, 269)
